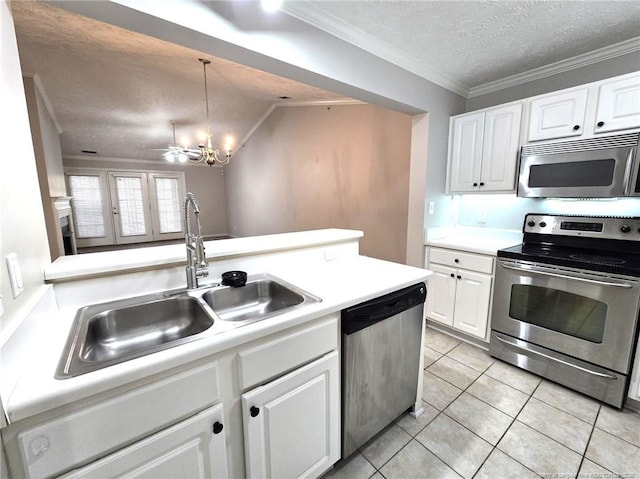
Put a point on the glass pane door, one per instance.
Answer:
(90, 205)
(130, 205)
(166, 193)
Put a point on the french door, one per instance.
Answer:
(124, 207)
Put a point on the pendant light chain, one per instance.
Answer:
(206, 92)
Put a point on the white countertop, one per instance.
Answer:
(340, 283)
(475, 240)
(75, 267)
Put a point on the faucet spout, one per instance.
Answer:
(196, 259)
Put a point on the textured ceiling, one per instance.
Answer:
(115, 91)
(471, 43)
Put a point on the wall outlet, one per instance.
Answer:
(15, 275)
(482, 215)
(432, 207)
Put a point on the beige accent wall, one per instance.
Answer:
(207, 183)
(315, 167)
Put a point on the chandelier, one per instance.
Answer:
(207, 153)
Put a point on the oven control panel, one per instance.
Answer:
(608, 227)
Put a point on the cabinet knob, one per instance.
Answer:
(453, 275)
(600, 124)
(475, 184)
(217, 427)
(254, 411)
(456, 260)
(482, 183)
(459, 277)
(576, 127)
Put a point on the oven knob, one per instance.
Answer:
(543, 224)
(531, 223)
(625, 228)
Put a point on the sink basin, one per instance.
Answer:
(115, 332)
(258, 299)
(110, 333)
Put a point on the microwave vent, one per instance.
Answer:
(600, 143)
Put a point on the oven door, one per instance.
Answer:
(584, 315)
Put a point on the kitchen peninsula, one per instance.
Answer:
(195, 405)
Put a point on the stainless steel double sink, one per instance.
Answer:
(110, 333)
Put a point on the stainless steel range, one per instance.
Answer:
(566, 302)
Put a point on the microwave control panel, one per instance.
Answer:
(605, 227)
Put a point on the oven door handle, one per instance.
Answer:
(551, 358)
(566, 276)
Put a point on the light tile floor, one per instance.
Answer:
(487, 419)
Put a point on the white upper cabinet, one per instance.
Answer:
(483, 150)
(618, 104)
(587, 111)
(466, 152)
(558, 115)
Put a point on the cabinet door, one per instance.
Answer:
(441, 294)
(292, 424)
(473, 294)
(558, 116)
(618, 105)
(500, 148)
(466, 153)
(193, 448)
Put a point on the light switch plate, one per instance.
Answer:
(15, 275)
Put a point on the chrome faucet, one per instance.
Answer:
(196, 262)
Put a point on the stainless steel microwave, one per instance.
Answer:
(603, 167)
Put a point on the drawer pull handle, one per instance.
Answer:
(254, 411)
(217, 427)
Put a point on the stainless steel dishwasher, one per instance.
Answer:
(380, 362)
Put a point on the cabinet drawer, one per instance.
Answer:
(277, 356)
(457, 259)
(57, 445)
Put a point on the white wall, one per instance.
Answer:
(21, 215)
(507, 211)
(579, 76)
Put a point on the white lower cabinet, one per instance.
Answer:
(189, 424)
(194, 448)
(292, 424)
(459, 292)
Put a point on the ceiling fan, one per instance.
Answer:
(174, 153)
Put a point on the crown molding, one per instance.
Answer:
(315, 16)
(601, 54)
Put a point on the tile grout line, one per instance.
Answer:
(593, 428)
(506, 431)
